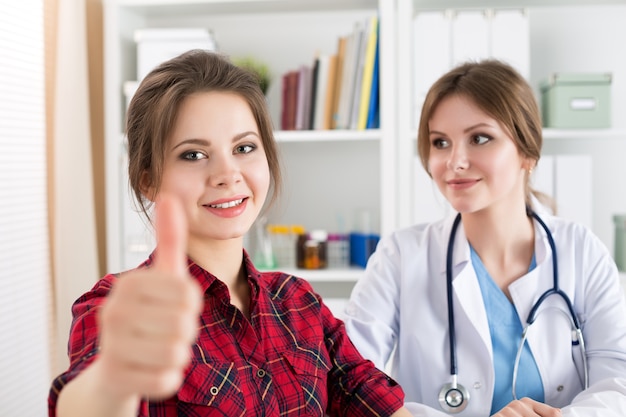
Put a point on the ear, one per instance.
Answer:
(148, 189)
(529, 165)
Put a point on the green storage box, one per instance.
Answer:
(576, 101)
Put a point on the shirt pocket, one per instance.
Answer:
(307, 372)
(214, 385)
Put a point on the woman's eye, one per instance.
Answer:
(480, 139)
(245, 148)
(440, 143)
(193, 156)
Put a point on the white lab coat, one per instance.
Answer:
(398, 307)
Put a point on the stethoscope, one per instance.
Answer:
(454, 397)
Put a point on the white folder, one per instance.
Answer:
(510, 39)
(431, 52)
(470, 36)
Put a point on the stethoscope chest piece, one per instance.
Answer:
(453, 398)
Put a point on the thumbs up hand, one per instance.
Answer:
(150, 318)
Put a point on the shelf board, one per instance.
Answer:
(564, 134)
(327, 135)
(482, 4)
(169, 7)
(326, 275)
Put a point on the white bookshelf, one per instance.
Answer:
(331, 173)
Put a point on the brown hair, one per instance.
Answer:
(154, 108)
(498, 90)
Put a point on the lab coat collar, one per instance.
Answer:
(522, 290)
(461, 252)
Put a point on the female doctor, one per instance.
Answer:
(447, 307)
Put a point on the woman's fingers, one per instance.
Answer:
(527, 407)
(151, 315)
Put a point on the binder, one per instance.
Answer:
(510, 39)
(470, 36)
(432, 53)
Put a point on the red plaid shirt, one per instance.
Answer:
(292, 358)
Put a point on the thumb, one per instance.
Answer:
(171, 236)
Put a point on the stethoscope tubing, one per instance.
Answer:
(451, 327)
(532, 316)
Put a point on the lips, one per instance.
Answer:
(461, 183)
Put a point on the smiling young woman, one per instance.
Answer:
(197, 329)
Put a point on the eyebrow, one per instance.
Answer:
(204, 142)
(469, 129)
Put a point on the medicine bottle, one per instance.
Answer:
(338, 251)
(315, 254)
(300, 240)
(312, 255)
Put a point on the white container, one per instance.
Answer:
(156, 45)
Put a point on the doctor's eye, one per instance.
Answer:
(440, 143)
(481, 139)
(193, 156)
(247, 148)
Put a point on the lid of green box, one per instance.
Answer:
(576, 79)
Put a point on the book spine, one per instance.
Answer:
(368, 71)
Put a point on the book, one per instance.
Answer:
(341, 57)
(320, 91)
(358, 77)
(304, 98)
(348, 77)
(312, 90)
(373, 112)
(292, 97)
(368, 71)
(329, 96)
(289, 100)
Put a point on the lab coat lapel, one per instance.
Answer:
(526, 290)
(472, 309)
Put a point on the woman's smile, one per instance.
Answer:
(230, 208)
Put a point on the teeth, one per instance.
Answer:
(227, 205)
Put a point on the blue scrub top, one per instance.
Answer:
(506, 329)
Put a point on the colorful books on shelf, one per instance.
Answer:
(338, 90)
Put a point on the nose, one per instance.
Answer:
(458, 158)
(225, 171)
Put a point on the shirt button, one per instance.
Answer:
(260, 373)
(477, 385)
(214, 390)
(559, 388)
